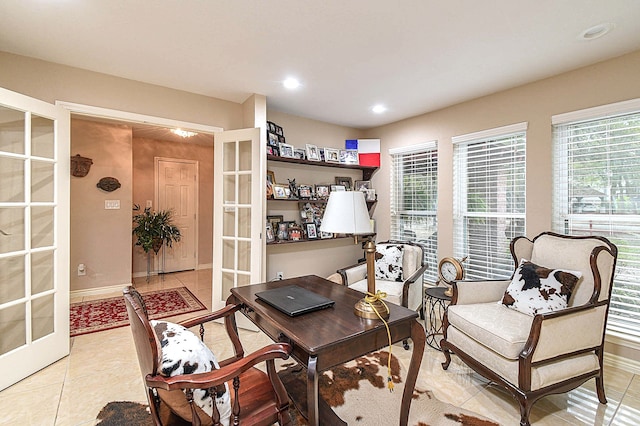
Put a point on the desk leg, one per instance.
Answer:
(312, 391)
(418, 338)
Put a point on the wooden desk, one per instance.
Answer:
(323, 339)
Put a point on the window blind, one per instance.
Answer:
(597, 192)
(414, 199)
(489, 199)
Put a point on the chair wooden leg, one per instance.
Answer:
(525, 410)
(600, 388)
(405, 344)
(447, 356)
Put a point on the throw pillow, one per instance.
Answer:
(184, 353)
(535, 289)
(389, 262)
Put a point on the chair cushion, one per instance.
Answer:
(393, 289)
(535, 289)
(502, 330)
(389, 262)
(184, 353)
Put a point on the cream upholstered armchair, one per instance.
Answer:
(399, 269)
(501, 328)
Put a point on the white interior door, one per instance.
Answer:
(34, 235)
(239, 182)
(177, 189)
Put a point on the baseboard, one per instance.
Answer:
(98, 290)
(205, 266)
(621, 362)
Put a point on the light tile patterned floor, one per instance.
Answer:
(103, 367)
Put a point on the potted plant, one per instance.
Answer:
(153, 230)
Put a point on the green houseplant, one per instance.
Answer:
(153, 230)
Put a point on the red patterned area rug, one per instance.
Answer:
(105, 314)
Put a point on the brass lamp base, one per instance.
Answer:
(366, 310)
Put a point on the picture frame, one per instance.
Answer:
(286, 150)
(305, 192)
(280, 191)
(325, 235)
(349, 156)
(271, 177)
(281, 139)
(300, 153)
(362, 185)
(279, 130)
(271, 127)
(332, 155)
(313, 154)
(338, 188)
(295, 233)
(274, 220)
(283, 231)
(371, 195)
(312, 231)
(269, 150)
(269, 234)
(345, 181)
(322, 191)
(272, 139)
(321, 152)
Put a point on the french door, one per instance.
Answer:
(239, 183)
(34, 235)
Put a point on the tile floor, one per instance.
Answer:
(102, 367)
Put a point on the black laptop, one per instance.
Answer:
(294, 300)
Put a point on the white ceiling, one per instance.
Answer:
(414, 56)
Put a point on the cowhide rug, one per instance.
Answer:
(357, 391)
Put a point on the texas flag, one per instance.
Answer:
(368, 151)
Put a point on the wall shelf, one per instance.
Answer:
(367, 171)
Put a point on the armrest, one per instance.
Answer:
(470, 292)
(222, 375)
(221, 313)
(564, 332)
(353, 273)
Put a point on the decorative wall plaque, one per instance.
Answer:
(80, 165)
(108, 184)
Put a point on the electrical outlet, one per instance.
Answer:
(279, 275)
(82, 269)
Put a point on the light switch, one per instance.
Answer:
(149, 203)
(111, 204)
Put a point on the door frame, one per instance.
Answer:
(156, 196)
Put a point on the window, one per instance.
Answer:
(414, 199)
(489, 199)
(597, 192)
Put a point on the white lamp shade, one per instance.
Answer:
(346, 213)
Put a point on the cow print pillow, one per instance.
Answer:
(184, 353)
(389, 262)
(535, 289)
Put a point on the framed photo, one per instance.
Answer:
(271, 177)
(313, 154)
(362, 185)
(278, 130)
(305, 192)
(271, 127)
(286, 150)
(283, 231)
(270, 236)
(269, 150)
(321, 152)
(322, 191)
(280, 191)
(274, 220)
(349, 156)
(371, 195)
(312, 232)
(325, 235)
(331, 155)
(338, 188)
(281, 139)
(295, 233)
(272, 139)
(347, 182)
(299, 153)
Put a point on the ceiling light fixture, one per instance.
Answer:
(291, 83)
(379, 109)
(596, 31)
(183, 133)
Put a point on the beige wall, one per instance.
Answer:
(100, 238)
(321, 257)
(144, 153)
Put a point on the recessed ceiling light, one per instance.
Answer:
(379, 109)
(596, 31)
(291, 83)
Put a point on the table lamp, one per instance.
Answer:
(347, 213)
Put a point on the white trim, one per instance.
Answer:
(205, 266)
(621, 362)
(97, 291)
(632, 105)
(489, 133)
(622, 339)
(414, 148)
(133, 117)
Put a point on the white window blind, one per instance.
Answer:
(489, 199)
(414, 199)
(597, 192)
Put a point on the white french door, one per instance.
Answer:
(239, 182)
(34, 235)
